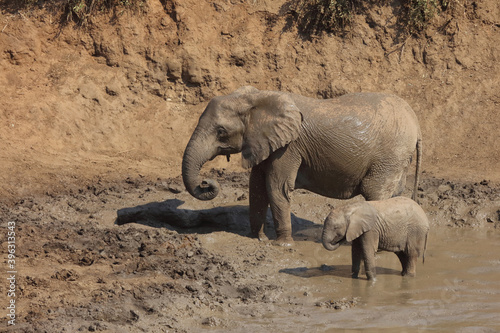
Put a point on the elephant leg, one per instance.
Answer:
(402, 180)
(280, 180)
(357, 256)
(408, 262)
(401, 186)
(259, 202)
(369, 245)
(384, 181)
(403, 258)
(280, 208)
(411, 269)
(370, 267)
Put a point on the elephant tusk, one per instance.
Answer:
(228, 157)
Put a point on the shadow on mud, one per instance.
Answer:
(343, 271)
(234, 219)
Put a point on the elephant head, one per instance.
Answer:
(253, 122)
(347, 223)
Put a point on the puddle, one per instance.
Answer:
(457, 289)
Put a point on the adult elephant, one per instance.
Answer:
(360, 143)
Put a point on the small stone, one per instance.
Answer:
(113, 89)
(174, 69)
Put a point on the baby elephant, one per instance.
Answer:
(398, 225)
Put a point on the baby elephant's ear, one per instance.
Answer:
(362, 219)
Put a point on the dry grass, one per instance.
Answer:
(335, 16)
(78, 11)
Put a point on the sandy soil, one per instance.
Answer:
(93, 123)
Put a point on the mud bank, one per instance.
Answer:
(81, 271)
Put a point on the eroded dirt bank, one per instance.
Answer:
(119, 97)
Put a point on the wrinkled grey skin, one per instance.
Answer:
(397, 225)
(358, 143)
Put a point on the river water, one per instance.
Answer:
(456, 290)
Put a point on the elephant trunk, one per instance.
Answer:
(330, 242)
(197, 153)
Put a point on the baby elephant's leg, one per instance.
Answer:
(404, 262)
(408, 263)
(370, 266)
(357, 256)
(412, 264)
(369, 245)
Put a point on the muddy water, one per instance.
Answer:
(457, 289)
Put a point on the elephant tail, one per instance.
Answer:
(425, 247)
(418, 166)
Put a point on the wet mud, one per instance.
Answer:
(143, 256)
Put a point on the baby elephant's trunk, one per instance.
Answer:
(331, 246)
(329, 241)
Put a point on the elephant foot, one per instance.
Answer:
(410, 274)
(284, 241)
(371, 277)
(261, 236)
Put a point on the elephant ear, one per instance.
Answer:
(272, 122)
(361, 220)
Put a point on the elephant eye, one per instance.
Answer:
(222, 134)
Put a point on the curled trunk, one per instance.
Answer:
(330, 246)
(197, 153)
(330, 242)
